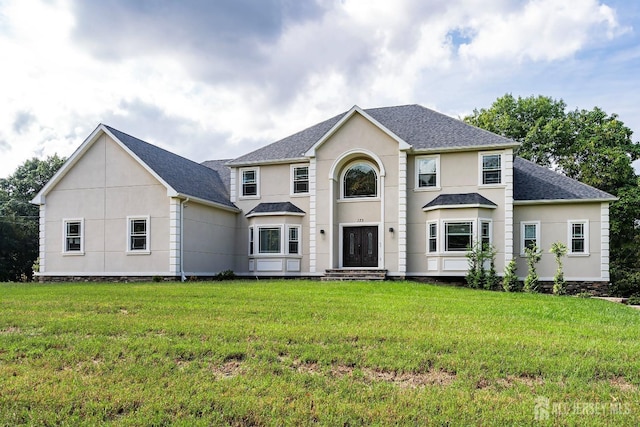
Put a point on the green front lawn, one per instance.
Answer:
(300, 352)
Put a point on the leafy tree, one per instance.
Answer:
(19, 218)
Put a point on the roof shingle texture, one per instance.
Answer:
(459, 199)
(277, 207)
(185, 176)
(420, 127)
(534, 182)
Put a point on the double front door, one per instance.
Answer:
(360, 246)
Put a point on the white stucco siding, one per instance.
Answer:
(209, 233)
(357, 139)
(554, 220)
(103, 188)
(458, 174)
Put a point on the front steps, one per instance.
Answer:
(354, 274)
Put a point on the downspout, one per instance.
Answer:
(182, 203)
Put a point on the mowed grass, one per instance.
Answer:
(302, 352)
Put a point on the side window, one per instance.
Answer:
(579, 237)
(251, 241)
(432, 243)
(529, 235)
(485, 232)
(294, 240)
(428, 172)
(138, 234)
(249, 182)
(73, 239)
(491, 169)
(300, 181)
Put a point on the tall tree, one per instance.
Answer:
(588, 145)
(19, 218)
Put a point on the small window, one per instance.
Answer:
(491, 169)
(485, 233)
(269, 240)
(251, 240)
(433, 237)
(249, 182)
(427, 172)
(360, 180)
(294, 240)
(578, 238)
(530, 235)
(138, 237)
(458, 236)
(73, 236)
(300, 179)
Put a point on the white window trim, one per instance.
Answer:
(429, 223)
(251, 243)
(585, 223)
(299, 228)
(502, 177)
(65, 252)
(256, 252)
(146, 251)
(417, 173)
(292, 193)
(361, 198)
(490, 221)
(241, 195)
(522, 224)
(442, 241)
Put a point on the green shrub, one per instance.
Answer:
(559, 249)
(225, 275)
(634, 300)
(532, 282)
(478, 276)
(510, 279)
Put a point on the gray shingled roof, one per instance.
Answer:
(534, 182)
(277, 207)
(185, 176)
(459, 199)
(224, 172)
(420, 127)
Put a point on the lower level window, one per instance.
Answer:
(458, 236)
(73, 236)
(269, 240)
(138, 234)
(294, 240)
(433, 237)
(578, 237)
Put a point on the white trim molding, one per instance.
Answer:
(402, 211)
(175, 221)
(508, 206)
(312, 216)
(604, 241)
(585, 237)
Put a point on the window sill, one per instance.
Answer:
(359, 199)
(502, 185)
(138, 252)
(299, 194)
(578, 254)
(78, 253)
(248, 197)
(427, 189)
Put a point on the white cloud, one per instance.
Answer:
(206, 94)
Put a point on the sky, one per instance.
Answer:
(217, 79)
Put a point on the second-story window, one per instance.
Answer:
(491, 169)
(249, 182)
(427, 172)
(300, 179)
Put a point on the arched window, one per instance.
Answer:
(360, 180)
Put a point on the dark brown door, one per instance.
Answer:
(360, 246)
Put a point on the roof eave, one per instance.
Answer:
(465, 148)
(469, 205)
(252, 214)
(267, 162)
(563, 201)
(207, 202)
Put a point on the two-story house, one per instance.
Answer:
(403, 190)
